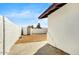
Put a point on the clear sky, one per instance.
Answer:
(24, 13)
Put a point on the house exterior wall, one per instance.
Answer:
(63, 28)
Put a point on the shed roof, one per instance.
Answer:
(51, 9)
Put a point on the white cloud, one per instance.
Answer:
(19, 14)
(27, 14)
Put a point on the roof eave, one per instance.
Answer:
(51, 9)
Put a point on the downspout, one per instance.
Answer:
(3, 36)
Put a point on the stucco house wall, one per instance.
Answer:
(63, 28)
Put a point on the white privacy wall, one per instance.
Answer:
(1, 35)
(36, 31)
(12, 34)
(63, 28)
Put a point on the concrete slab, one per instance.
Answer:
(50, 50)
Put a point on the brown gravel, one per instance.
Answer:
(32, 38)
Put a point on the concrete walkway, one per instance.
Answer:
(26, 48)
(29, 44)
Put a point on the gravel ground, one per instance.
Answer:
(32, 38)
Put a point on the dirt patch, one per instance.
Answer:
(32, 38)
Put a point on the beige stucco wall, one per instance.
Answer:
(63, 28)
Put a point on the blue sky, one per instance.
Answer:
(24, 13)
